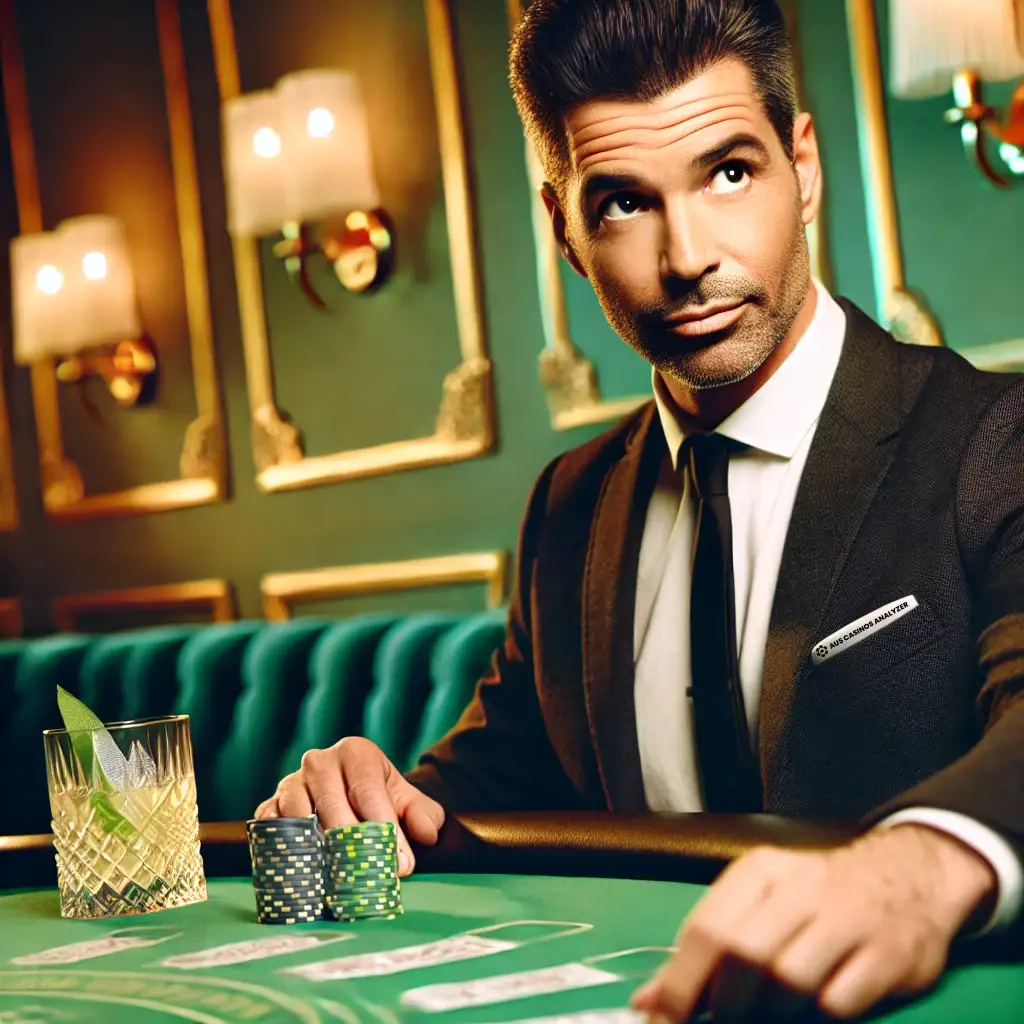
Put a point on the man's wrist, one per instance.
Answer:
(968, 880)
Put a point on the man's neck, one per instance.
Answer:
(711, 407)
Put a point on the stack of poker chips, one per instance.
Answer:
(287, 869)
(361, 871)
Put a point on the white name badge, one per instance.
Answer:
(861, 628)
(504, 987)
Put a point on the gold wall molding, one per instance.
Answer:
(997, 356)
(567, 376)
(282, 591)
(11, 624)
(203, 464)
(904, 311)
(464, 428)
(213, 596)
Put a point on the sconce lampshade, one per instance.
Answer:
(329, 165)
(73, 289)
(40, 310)
(934, 39)
(298, 153)
(254, 165)
(101, 283)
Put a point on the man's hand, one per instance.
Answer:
(848, 926)
(351, 782)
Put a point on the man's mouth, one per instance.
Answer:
(695, 323)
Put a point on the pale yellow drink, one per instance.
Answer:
(127, 840)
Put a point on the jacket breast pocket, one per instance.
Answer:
(880, 651)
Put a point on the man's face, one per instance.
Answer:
(688, 218)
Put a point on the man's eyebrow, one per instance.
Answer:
(721, 152)
(598, 183)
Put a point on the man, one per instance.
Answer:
(858, 580)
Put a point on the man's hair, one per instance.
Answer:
(567, 52)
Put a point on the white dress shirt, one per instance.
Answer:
(778, 423)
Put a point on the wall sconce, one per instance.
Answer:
(938, 43)
(73, 299)
(299, 155)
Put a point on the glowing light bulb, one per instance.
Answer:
(266, 143)
(94, 266)
(320, 123)
(49, 279)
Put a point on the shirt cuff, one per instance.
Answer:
(986, 843)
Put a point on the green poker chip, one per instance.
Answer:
(361, 871)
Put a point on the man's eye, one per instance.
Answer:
(730, 177)
(621, 207)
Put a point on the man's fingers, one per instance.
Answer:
(770, 925)
(322, 779)
(268, 809)
(707, 934)
(813, 955)
(293, 799)
(876, 971)
(422, 816)
(366, 780)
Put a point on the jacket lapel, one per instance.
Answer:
(609, 597)
(852, 450)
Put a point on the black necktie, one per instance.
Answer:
(729, 776)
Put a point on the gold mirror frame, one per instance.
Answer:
(902, 310)
(203, 457)
(465, 422)
(281, 591)
(568, 377)
(213, 596)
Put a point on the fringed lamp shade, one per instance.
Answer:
(934, 39)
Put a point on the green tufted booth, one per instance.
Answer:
(258, 695)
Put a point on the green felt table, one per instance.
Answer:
(136, 985)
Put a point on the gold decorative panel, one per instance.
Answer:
(203, 458)
(215, 597)
(282, 591)
(10, 617)
(905, 313)
(464, 426)
(568, 377)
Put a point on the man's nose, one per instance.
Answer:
(688, 251)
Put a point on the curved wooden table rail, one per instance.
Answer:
(681, 847)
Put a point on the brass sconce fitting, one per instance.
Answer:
(128, 369)
(360, 249)
(299, 155)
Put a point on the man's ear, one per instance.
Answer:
(560, 228)
(807, 164)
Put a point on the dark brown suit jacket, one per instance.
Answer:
(914, 484)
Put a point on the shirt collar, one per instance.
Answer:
(777, 417)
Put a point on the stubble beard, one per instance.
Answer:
(717, 360)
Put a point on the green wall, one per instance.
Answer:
(370, 370)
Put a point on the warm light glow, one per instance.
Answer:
(49, 279)
(254, 157)
(320, 123)
(325, 139)
(101, 298)
(266, 143)
(94, 266)
(934, 39)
